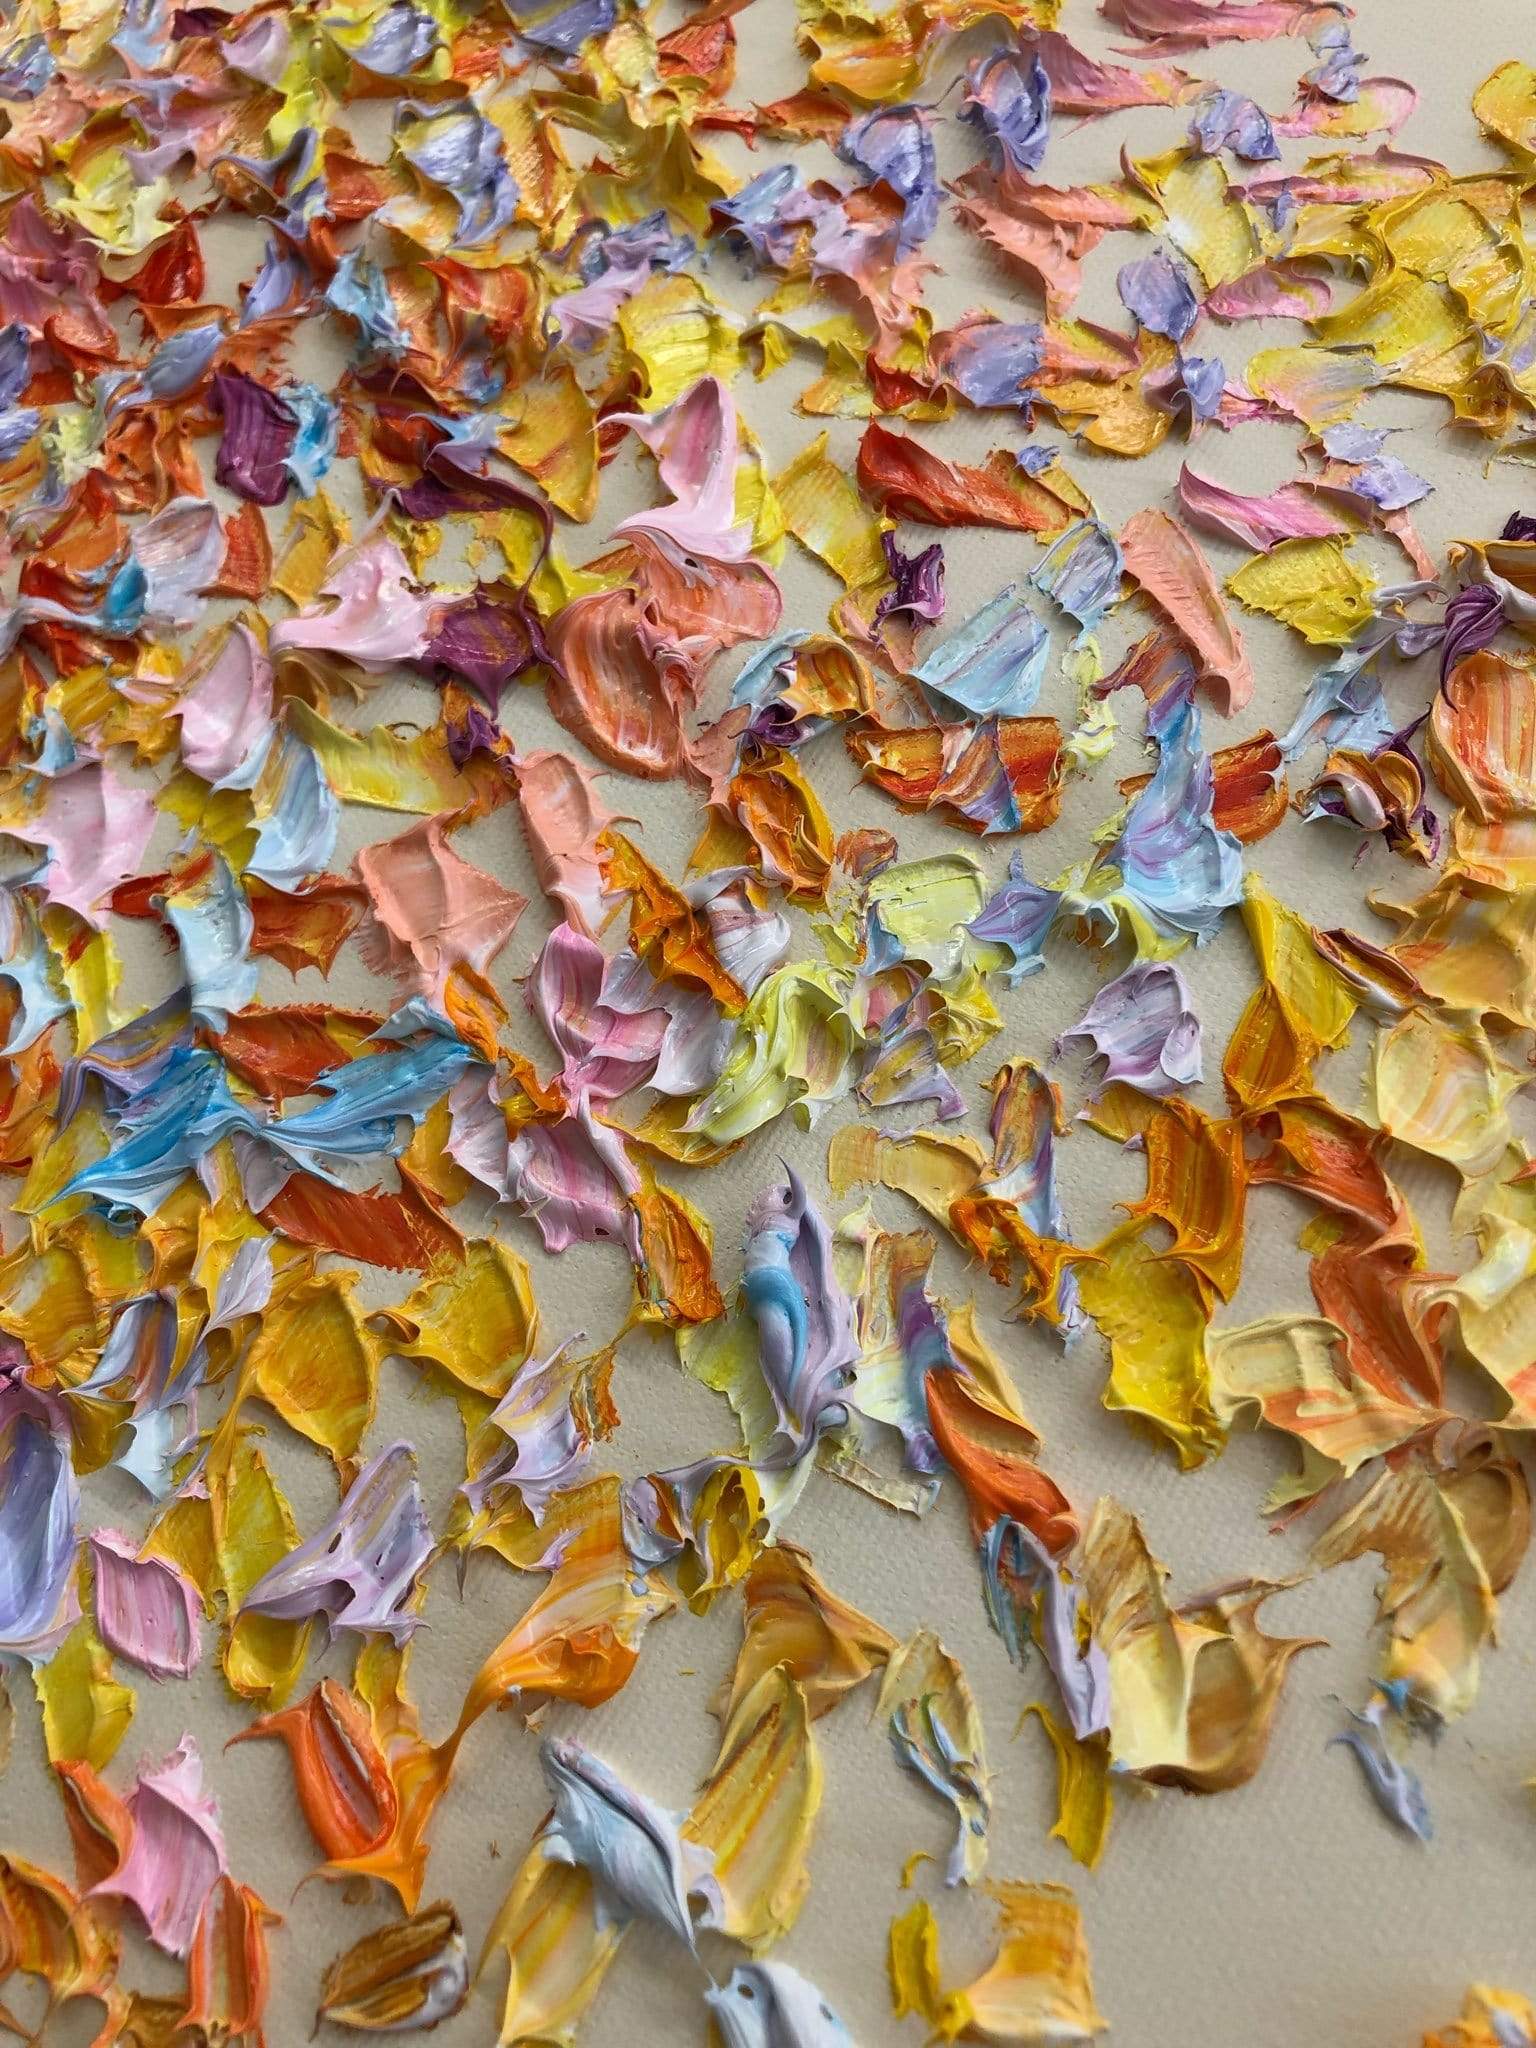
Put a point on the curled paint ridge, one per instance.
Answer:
(643, 1866)
(360, 1570)
(1143, 1028)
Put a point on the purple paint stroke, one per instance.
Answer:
(1472, 621)
(259, 436)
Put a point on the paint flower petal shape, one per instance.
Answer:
(1193, 1688)
(995, 1456)
(259, 435)
(1272, 291)
(695, 1037)
(642, 1864)
(770, 2005)
(1230, 120)
(1440, 1087)
(562, 823)
(1294, 1370)
(556, 1947)
(1027, 1121)
(1082, 572)
(1082, 85)
(1315, 586)
(1444, 1540)
(1142, 1025)
(1005, 775)
(606, 1050)
(1017, 1567)
(990, 363)
(476, 1318)
(96, 827)
(297, 816)
(992, 667)
(1292, 512)
(795, 1043)
(1008, 97)
(460, 150)
(576, 1181)
(1178, 870)
(377, 614)
(228, 1967)
(39, 1506)
(346, 1791)
(207, 909)
(486, 642)
(86, 1712)
(669, 927)
(1017, 919)
(1153, 1312)
(755, 1815)
(146, 1609)
(1038, 1991)
(541, 1431)
(908, 481)
(175, 1853)
(580, 1639)
(807, 1348)
(895, 146)
(695, 443)
(792, 1620)
(1161, 557)
(1158, 295)
(404, 1977)
(360, 1570)
(178, 553)
(313, 1359)
(622, 682)
(1197, 24)
(434, 913)
(936, 1731)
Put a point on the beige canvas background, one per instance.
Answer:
(1282, 1913)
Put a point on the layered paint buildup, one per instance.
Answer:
(493, 765)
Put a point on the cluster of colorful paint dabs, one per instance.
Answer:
(525, 232)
